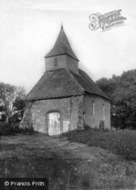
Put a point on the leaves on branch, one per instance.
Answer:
(122, 91)
(12, 98)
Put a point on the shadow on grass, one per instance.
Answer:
(60, 172)
(22, 161)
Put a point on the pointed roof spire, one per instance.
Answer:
(62, 26)
(61, 46)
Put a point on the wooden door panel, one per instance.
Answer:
(54, 123)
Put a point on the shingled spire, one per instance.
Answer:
(62, 46)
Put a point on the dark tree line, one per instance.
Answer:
(122, 92)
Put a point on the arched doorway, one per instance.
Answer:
(54, 123)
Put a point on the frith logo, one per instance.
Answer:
(106, 21)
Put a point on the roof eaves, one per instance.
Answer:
(104, 97)
(40, 99)
(74, 57)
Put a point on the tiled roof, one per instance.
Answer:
(55, 84)
(63, 83)
(88, 84)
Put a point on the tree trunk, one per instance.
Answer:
(7, 119)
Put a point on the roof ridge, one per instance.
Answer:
(83, 80)
(75, 79)
(89, 85)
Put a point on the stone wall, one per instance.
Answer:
(70, 109)
(77, 110)
(27, 122)
(101, 112)
(74, 111)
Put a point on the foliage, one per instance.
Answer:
(11, 99)
(122, 91)
(7, 129)
(120, 142)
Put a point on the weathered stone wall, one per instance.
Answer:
(27, 122)
(101, 112)
(70, 109)
(77, 110)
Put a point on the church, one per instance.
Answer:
(65, 98)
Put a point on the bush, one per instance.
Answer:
(5, 129)
(12, 129)
(121, 142)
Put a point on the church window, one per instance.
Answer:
(55, 62)
(93, 107)
(103, 111)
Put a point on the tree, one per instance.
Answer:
(9, 95)
(125, 100)
(108, 85)
(122, 91)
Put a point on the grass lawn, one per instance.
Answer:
(68, 165)
(120, 142)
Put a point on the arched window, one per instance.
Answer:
(93, 107)
(103, 111)
(55, 61)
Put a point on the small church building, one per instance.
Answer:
(65, 98)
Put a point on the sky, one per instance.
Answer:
(29, 28)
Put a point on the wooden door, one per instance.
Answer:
(54, 123)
